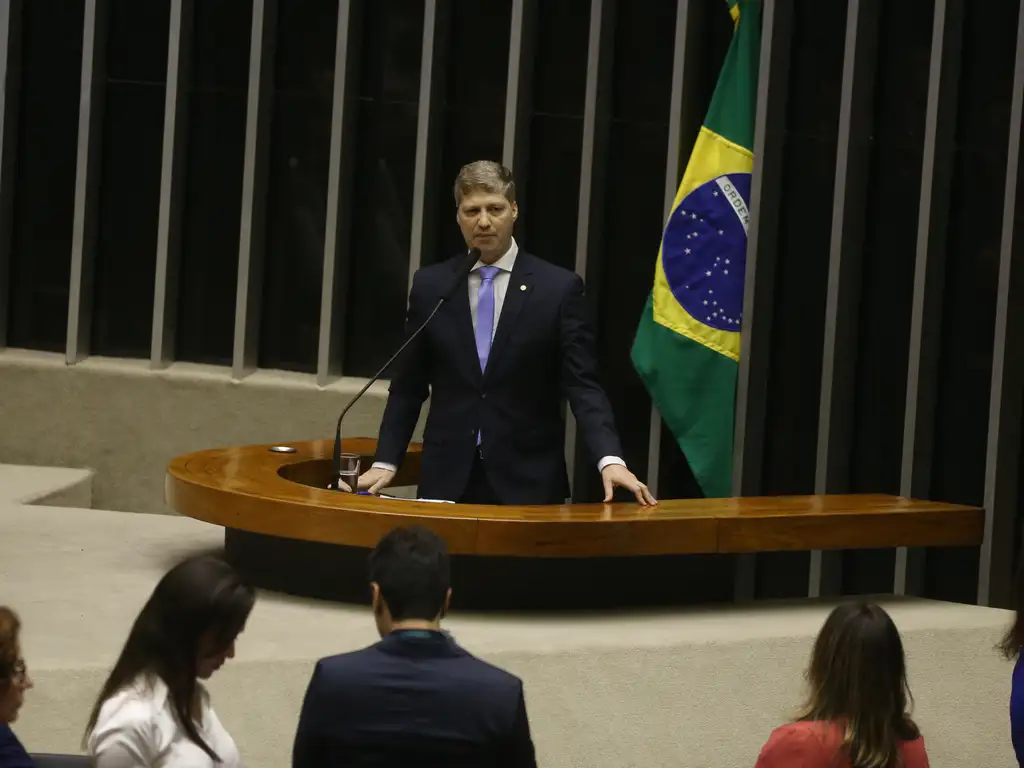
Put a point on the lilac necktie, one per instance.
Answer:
(485, 318)
(485, 314)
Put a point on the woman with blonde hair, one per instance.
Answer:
(857, 712)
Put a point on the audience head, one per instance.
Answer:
(14, 679)
(186, 630)
(409, 580)
(858, 677)
(1013, 640)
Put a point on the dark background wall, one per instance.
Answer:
(469, 99)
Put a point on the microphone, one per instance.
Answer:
(460, 274)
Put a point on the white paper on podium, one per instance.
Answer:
(431, 501)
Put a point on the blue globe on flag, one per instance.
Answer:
(703, 251)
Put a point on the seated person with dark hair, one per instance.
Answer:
(414, 698)
(14, 681)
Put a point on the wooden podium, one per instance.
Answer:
(288, 533)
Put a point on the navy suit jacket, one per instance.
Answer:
(543, 352)
(413, 699)
(12, 754)
(1017, 710)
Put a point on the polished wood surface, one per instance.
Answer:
(283, 494)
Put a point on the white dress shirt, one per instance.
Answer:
(500, 283)
(137, 728)
(504, 265)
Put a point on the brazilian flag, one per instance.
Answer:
(687, 345)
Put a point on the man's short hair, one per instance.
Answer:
(410, 565)
(485, 176)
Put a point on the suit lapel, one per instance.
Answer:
(464, 325)
(520, 287)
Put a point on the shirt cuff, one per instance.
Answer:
(607, 461)
(384, 465)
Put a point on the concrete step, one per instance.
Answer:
(50, 486)
(683, 688)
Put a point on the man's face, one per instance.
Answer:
(486, 221)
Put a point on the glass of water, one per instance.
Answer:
(349, 471)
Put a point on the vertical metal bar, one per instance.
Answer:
(679, 110)
(995, 571)
(519, 91)
(683, 114)
(929, 273)
(251, 239)
(654, 452)
(835, 412)
(595, 108)
(591, 192)
(172, 183)
(762, 246)
(428, 133)
(87, 179)
(339, 186)
(10, 88)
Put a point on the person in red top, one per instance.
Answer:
(857, 713)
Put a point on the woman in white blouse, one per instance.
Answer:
(153, 712)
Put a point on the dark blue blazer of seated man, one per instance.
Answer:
(415, 699)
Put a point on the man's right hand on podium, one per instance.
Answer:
(375, 479)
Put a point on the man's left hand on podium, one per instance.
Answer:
(616, 475)
(376, 479)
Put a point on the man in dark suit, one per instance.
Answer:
(496, 361)
(415, 698)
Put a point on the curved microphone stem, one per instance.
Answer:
(361, 392)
